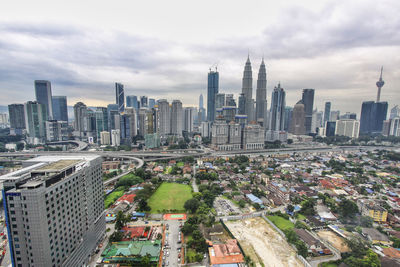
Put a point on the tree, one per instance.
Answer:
(145, 261)
(307, 207)
(192, 205)
(242, 203)
(366, 221)
(121, 220)
(116, 236)
(290, 208)
(348, 208)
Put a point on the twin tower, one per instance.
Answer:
(255, 111)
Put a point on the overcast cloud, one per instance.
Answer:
(164, 49)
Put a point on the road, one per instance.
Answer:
(95, 257)
(172, 239)
(141, 162)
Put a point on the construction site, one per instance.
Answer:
(263, 244)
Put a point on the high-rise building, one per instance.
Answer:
(394, 129)
(379, 84)
(347, 127)
(330, 128)
(327, 111)
(277, 111)
(372, 116)
(288, 118)
(44, 96)
(128, 126)
(247, 90)
(242, 104)
(335, 115)
(219, 101)
(56, 130)
(253, 137)
(132, 102)
(176, 118)
(297, 127)
(115, 137)
(143, 122)
(60, 108)
(105, 138)
(80, 110)
(317, 120)
(101, 121)
(394, 112)
(308, 101)
(229, 100)
(212, 91)
(120, 97)
(144, 102)
(35, 121)
(164, 120)
(54, 210)
(17, 118)
(201, 101)
(112, 112)
(205, 128)
(152, 102)
(189, 119)
(261, 94)
(348, 115)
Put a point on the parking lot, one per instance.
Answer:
(225, 207)
(172, 246)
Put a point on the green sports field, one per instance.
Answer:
(170, 196)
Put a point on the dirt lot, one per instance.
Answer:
(262, 243)
(336, 241)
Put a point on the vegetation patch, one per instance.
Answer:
(281, 223)
(170, 197)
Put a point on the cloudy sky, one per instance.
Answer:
(164, 49)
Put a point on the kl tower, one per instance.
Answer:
(380, 84)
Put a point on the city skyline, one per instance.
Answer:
(157, 65)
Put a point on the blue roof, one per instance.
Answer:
(135, 188)
(369, 191)
(138, 214)
(254, 199)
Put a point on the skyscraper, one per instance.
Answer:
(35, 121)
(247, 90)
(43, 96)
(201, 102)
(372, 116)
(112, 111)
(394, 112)
(144, 101)
(176, 117)
(212, 91)
(189, 119)
(297, 127)
(288, 118)
(152, 102)
(101, 121)
(80, 110)
(60, 108)
(261, 93)
(119, 97)
(132, 102)
(308, 101)
(219, 101)
(379, 84)
(55, 210)
(327, 111)
(164, 127)
(17, 118)
(277, 112)
(242, 104)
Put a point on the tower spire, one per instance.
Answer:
(379, 84)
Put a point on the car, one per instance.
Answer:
(205, 256)
(167, 263)
(167, 253)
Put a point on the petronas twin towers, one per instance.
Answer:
(259, 112)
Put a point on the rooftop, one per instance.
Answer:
(59, 165)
